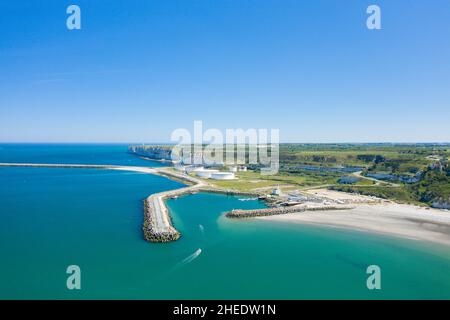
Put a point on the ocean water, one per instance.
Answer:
(113, 154)
(53, 218)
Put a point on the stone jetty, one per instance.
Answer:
(157, 221)
(279, 210)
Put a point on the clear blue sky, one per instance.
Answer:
(139, 69)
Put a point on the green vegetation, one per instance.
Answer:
(398, 194)
(251, 180)
(365, 155)
(409, 173)
(434, 185)
(413, 173)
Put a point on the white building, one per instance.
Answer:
(276, 191)
(222, 176)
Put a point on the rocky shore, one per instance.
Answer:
(150, 227)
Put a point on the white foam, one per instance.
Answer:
(192, 256)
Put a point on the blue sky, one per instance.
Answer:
(137, 70)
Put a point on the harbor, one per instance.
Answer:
(157, 226)
(313, 206)
(157, 221)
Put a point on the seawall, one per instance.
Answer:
(279, 210)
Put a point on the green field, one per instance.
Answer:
(408, 173)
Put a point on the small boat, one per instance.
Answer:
(248, 199)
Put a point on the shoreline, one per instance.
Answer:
(362, 213)
(356, 212)
(157, 225)
(390, 219)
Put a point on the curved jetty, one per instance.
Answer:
(157, 223)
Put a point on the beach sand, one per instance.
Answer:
(383, 217)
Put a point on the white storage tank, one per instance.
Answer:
(222, 176)
(205, 173)
(190, 169)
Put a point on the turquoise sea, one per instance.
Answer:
(53, 218)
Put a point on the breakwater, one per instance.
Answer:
(157, 226)
(58, 165)
(279, 210)
(157, 221)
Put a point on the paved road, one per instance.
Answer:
(377, 181)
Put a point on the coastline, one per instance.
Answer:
(157, 226)
(362, 213)
(355, 213)
(392, 219)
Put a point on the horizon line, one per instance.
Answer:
(172, 143)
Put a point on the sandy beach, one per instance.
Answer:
(383, 217)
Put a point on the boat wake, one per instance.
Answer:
(180, 264)
(202, 228)
(192, 257)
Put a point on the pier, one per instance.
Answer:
(280, 210)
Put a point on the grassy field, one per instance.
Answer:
(360, 155)
(411, 173)
(252, 180)
(414, 173)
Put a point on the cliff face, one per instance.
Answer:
(152, 152)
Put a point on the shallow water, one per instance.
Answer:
(113, 154)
